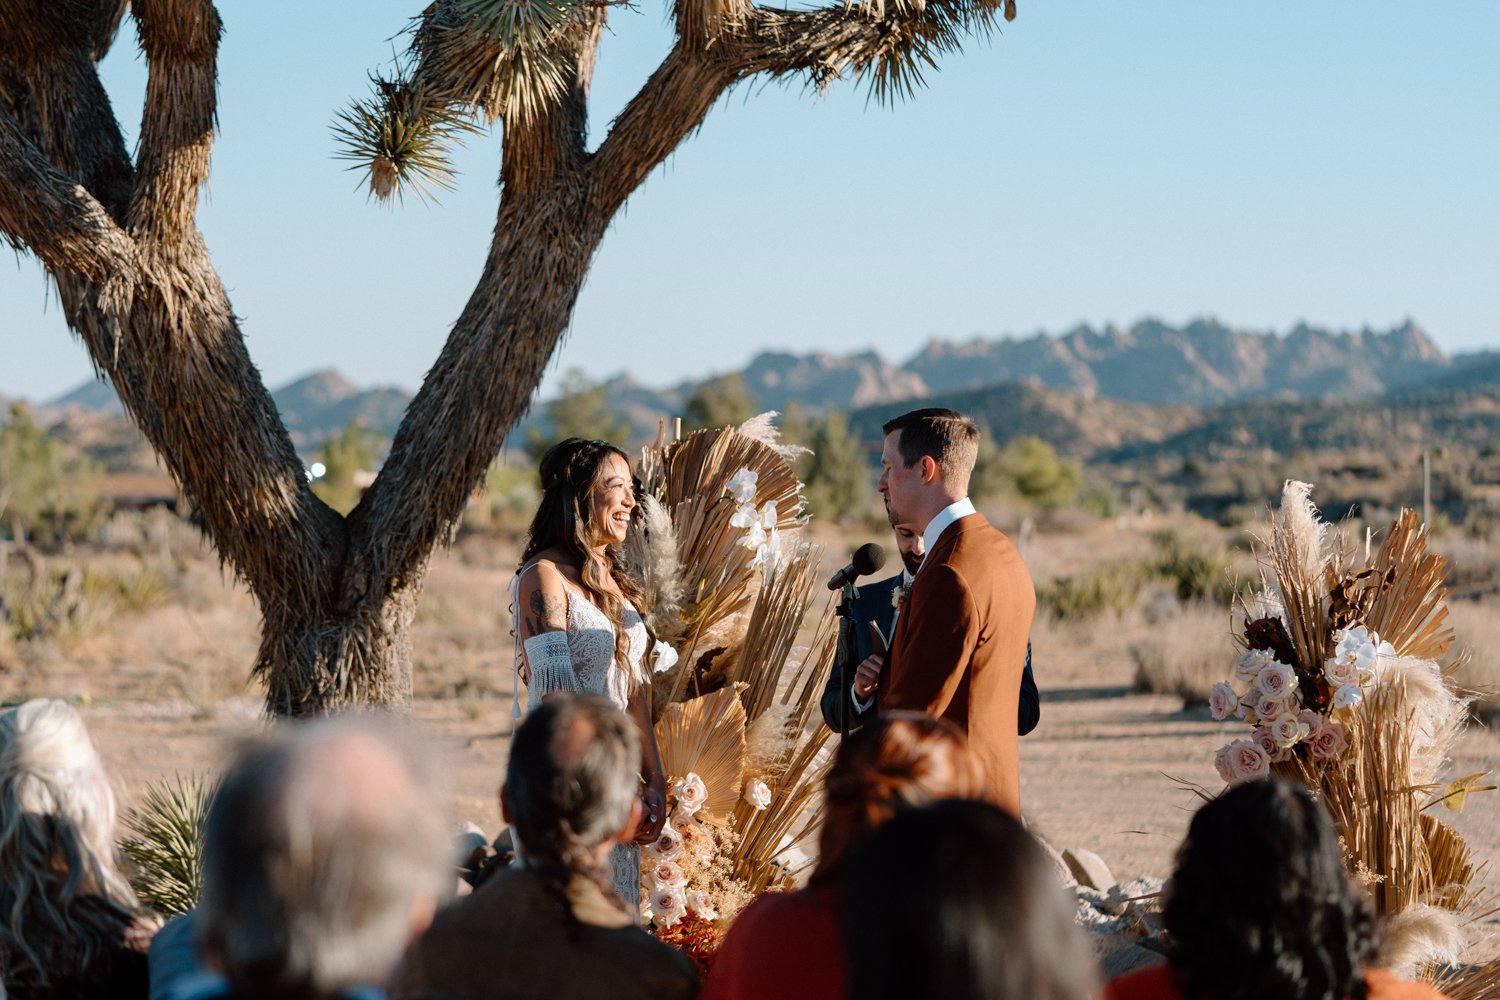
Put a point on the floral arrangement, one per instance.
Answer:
(1339, 682)
(740, 655)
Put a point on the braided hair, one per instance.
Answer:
(899, 760)
(1261, 904)
(570, 782)
(570, 470)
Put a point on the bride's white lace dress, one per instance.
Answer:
(591, 643)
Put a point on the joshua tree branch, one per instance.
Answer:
(49, 213)
(668, 107)
(181, 41)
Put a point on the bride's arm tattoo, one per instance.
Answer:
(546, 613)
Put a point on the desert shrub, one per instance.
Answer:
(1186, 654)
(346, 455)
(581, 409)
(509, 499)
(1197, 572)
(1112, 587)
(73, 601)
(837, 480)
(46, 497)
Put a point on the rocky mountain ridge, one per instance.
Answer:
(1151, 364)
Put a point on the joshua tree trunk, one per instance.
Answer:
(120, 238)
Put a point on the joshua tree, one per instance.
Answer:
(120, 239)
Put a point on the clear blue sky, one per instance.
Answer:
(1334, 162)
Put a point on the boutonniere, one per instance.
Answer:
(898, 596)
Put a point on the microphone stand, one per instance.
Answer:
(848, 648)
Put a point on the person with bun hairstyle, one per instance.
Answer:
(1261, 906)
(789, 944)
(576, 611)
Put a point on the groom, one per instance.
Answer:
(960, 643)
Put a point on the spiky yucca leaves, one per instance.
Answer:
(401, 137)
(166, 843)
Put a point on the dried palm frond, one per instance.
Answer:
(402, 139)
(166, 843)
(782, 603)
(1411, 613)
(718, 575)
(707, 736)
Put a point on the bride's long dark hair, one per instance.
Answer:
(570, 470)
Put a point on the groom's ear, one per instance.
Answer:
(928, 467)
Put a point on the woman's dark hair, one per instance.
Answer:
(1261, 905)
(898, 760)
(569, 471)
(956, 901)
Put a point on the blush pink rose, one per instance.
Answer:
(1221, 763)
(1276, 680)
(1328, 742)
(1222, 701)
(1266, 740)
(1248, 762)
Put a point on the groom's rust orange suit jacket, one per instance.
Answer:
(960, 645)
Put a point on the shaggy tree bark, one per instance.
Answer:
(120, 238)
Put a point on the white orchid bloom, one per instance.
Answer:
(741, 486)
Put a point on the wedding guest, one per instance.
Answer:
(550, 927)
(877, 603)
(960, 645)
(324, 855)
(1261, 906)
(70, 926)
(956, 901)
(577, 617)
(789, 944)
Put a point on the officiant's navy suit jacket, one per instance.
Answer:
(875, 604)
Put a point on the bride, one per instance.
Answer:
(574, 607)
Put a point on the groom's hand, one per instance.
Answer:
(867, 677)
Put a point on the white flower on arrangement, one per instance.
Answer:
(1251, 663)
(1275, 680)
(702, 904)
(744, 516)
(667, 873)
(768, 515)
(668, 845)
(741, 485)
(1348, 696)
(1289, 730)
(1222, 701)
(646, 913)
(668, 904)
(1363, 650)
(758, 793)
(666, 657)
(690, 792)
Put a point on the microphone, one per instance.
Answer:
(866, 560)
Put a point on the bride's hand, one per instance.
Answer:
(654, 815)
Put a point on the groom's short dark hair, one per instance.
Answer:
(946, 436)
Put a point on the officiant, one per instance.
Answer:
(878, 604)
